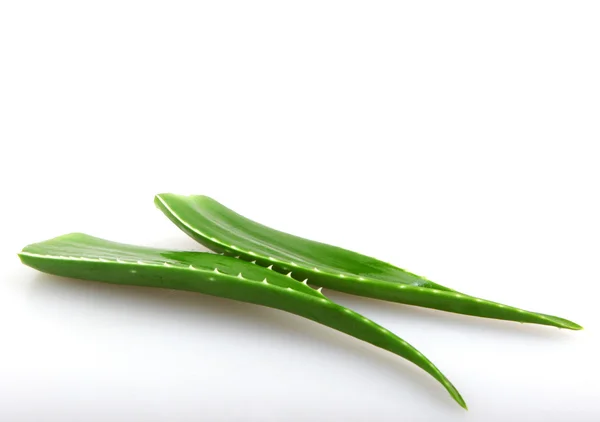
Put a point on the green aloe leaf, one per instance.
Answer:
(85, 257)
(222, 230)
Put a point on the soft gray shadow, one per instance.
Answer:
(194, 308)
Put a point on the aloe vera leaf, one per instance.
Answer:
(86, 257)
(222, 230)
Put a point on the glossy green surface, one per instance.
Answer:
(224, 231)
(85, 257)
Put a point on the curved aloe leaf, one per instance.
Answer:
(85, 257)
(222, 230)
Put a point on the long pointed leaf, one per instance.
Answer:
(85, 257)
(223, 230)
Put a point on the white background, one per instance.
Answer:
(455, 139)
